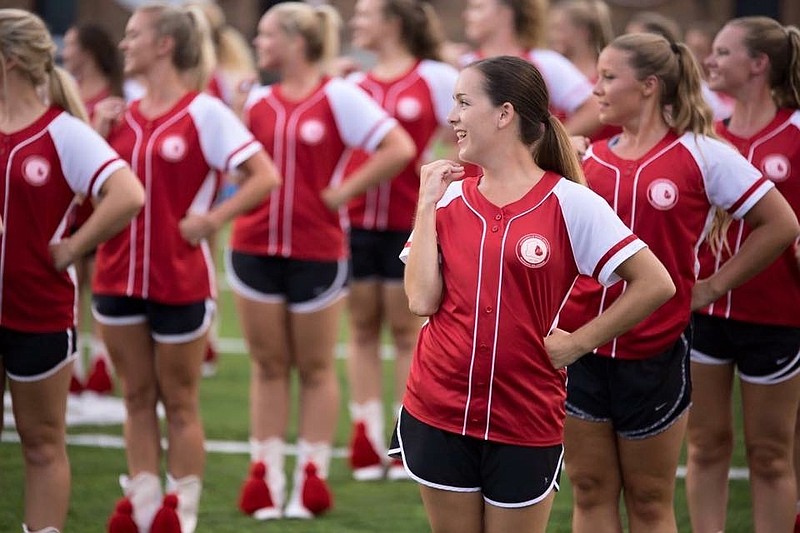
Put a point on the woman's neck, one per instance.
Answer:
(501, 44)
(299, 80)
(21, 106)
(91, 83)
(509, 174)
(165, 86)
(753, 110)
(394, 60)
(639, 136)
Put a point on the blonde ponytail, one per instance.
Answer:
(63, 92)
(318, 26)
(689, 109)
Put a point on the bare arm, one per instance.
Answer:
(773, 228)
(258, 176)
(648, 287)
(394, 152)
(121, 199)
(423, 277)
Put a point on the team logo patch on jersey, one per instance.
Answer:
(776, 167)
(173, 148)
(36, 170)
(662, 194)
(533, 250)
(312, 131)
(409, 108)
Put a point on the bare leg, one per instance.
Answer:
(532, 519)
(453, 512)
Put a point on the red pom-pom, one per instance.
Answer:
(121, 520)
(255, 492)
(166, 519)
(317, 497)
(75, 385)
(362, 453)
(99, 379)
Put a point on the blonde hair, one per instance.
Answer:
(594, 15)
(318, 26)
(24, 38)
(529, 21)
(781, 44)
(679, 76)
(193, 51)
(232, 50)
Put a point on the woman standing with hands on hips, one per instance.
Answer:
(752, 330)
(48, 156)
(665, 175)
(491, 261)
(154, 284)
(288, 258)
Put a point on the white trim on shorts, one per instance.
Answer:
(44, 375)
(774, 378)
(242, 289)
(702, 358)
(553, 485)
(334, 293)
(129, 320)
(418, 479)
(181, 338)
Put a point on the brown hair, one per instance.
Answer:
(517, 82)
(419, 26)
(781, 44)
(529, 21)
(318, 26)
(594, 15)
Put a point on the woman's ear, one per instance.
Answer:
(506, 115)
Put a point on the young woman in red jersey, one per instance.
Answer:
(48, 157)
(753, 330)
(491, 262)
(412, 85)
(664, 175)
(94, 61)
(154, 283)
(288, 260)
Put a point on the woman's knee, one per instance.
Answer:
(710, 447)
(44, 446)
(769, 460)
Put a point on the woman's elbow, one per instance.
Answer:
(422, 305)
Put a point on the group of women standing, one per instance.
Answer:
(523, 266)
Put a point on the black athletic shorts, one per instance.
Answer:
(375, 255)
(34, 356)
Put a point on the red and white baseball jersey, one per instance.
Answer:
(44, 166)
(309, 141)
(420, 100)
(667, 198)
(172, 155)
(773, 295)
(480, 367)
(567, 85)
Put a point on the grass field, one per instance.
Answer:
(359, 506)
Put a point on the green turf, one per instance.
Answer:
(359, 507)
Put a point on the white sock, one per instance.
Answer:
(318, 453)
(371, 414)
(188, 489)
(271, 453)
(49, 529)
(144, 492)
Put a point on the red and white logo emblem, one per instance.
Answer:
(409, 108)
(776, 167)
(36, 170)
(173, 148)
(662, 194)
(312, 131)
(533, 250)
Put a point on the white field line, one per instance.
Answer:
(233, 447)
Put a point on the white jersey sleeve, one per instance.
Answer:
(731, 182)
(86, 158)
(600, 240)
(225, 141)
(441, 79)
(361, 122)
(567, 85)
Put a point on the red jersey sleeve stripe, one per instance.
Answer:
(735, 207)
(365, 141)
(611, 253)
(238, 151)
(100, 171)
